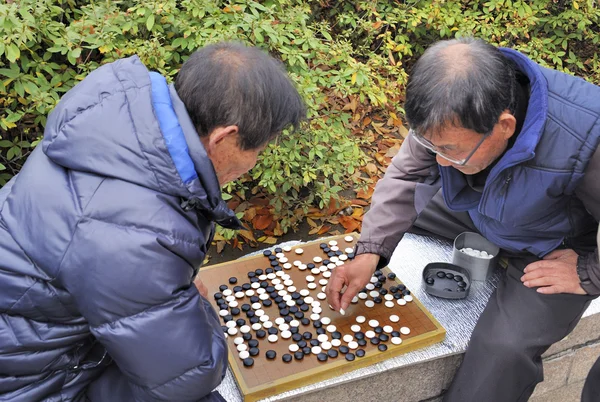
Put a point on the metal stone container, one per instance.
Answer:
(479, 268)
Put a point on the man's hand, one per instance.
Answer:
(355, 275)
(201, 288)
(556, 273)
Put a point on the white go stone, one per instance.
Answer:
(332, 243)
(283, 260)
(323, 282)
(323, 268)
(355, 328)
(241, 347)
(273, 338)
(362, 295)
(287, 265)
(317, 310)
(326, 274)
(373, 323)
(331, 265)
(405, 330)
(239, 295)
(334, 248)
(360, 319)
(334, 259)
(223, 313)
(263, 277)
(291, 289)
(322, 338)
(244, 355)
(343, 257)
(336, 342)
(259, 313)
(250, 292)
(314, 303)
(286, 297)
(401, 302)
(354, 300)
(294, 323)
(408, 298)
(255, 286)
(260, 291)
(276, 281)
(339, 263)
(315, 271)
(326, 345)
(245, 329)
(308, 300)
(316, 350)
(318, 260)
(370, 334)
(288, 282)
(297, 263)
(374, 293)
(256, 326)
(370, 303)
(264, 318)
(394, 318)
(315, 316)
(239, 340)
(304, 293)
(310, 278)
(312, 285)
(279, 321)
(331, 328)
(293, 348)
(325, 320)
(374, 279)
(287, 249)
(389, 297)
(256, 306)
(299, 251)
(271, 276)
(227, 292)
(353, 345)
(233, 304)
(396, 340)
(232, 331)
(286, 334)
(349, 239)
(322, 296)
(389, 304)
(348, 250)
(263, 296)
(279, 287)
(370, 286)
(267, 324)
(290, 303)
(230, 324)
(302, 267)
(348, 338)
(388, 329)
(279, 255)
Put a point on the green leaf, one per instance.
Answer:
(2, 167)
(12, 53)
(150, 22)
(5, 144)
(226, 196)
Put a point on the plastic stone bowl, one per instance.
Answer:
(479, 268)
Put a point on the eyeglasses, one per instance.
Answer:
(429, 145)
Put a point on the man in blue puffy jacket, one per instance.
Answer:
(104, 229)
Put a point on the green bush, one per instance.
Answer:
(349, 60)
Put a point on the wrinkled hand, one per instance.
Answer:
(201, 288)
(354, 276)
(556, 273)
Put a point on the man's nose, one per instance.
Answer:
(442, 161)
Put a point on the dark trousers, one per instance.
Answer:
(503, 360)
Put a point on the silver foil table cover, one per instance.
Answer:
(458, 317)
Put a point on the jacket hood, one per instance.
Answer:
(126, 123)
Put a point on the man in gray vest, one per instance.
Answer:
(501, 146)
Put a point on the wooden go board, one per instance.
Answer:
(268, 377)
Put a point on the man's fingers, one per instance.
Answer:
(535, 274)
(539, 264)
(336, 283)
(544, 281)
(556, 254)
(349, 294)
(550, 290)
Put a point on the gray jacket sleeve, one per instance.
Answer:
(394, 207)
(588, 191)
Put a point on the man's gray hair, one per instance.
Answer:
(465, 86)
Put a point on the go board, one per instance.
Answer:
(278, 307)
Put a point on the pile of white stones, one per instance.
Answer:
(476, 253)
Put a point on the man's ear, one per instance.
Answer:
(220, 135)
(508, 123)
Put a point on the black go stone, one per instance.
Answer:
(378, 272)
(235, 311)
(302, 344)
(336, 335)
(299, 315)
(282, 306)
(429, 281)
(221, 302)
(326, 262)
(307, 335)
(397, 295)
(259, 272)
(246, 286)
(223, 287)
(254, 299)
(276, 298)
(321, 331)
(317, 324)
(296, 296)
(306, 350)
(271, 354)
(267, 303)
(396, 334)
(247, 336)
(381, 278)
(300, 302)
(310, 266)
(339, 252)
(237, 289)
(299, 355)
(294, 330)
(278, 250)
(240, 322)
(314, 342)
(278, 268)
(393, 289)
(288, 318)
(382, 347)
(253, 343)
(305, 321)
(351, 256)
(254, 280)
(392, 275)
(323, 246)
(271, 289)
(331, 254)
(283, 312)
(377, 300)
(378, 285)
(227, 318)
(384, 337)
(326, 250)
(401, 287)
(375, 341)
(264, 284)
(449, 275)
(360, 353)
(383, 291)
(362, 342)
(272, 331)
(332, 353)
(304, 307)
(405, 292)
(344, 349)
(267, 253)
(249, 362)
(297, 337)
(462, 284)
(286, 358)
(294, 309)
(359, 335)
(273, 264)
(461, 289)
(224, 328)
(350, 356)
(378, 329)
(254, 351)
(254, 320)
(249, 314)
(458, 278)
(260, 334)
(218, 296)
(224, 307)
(272, 258)
(322, 357)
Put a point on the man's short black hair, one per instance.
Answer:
(232, 84)
(465, 86)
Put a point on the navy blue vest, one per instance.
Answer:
(528, 202)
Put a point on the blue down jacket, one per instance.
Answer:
(101, 236)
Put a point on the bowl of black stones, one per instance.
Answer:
(446, 280)
(476, 254)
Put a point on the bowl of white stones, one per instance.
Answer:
(476, 254)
